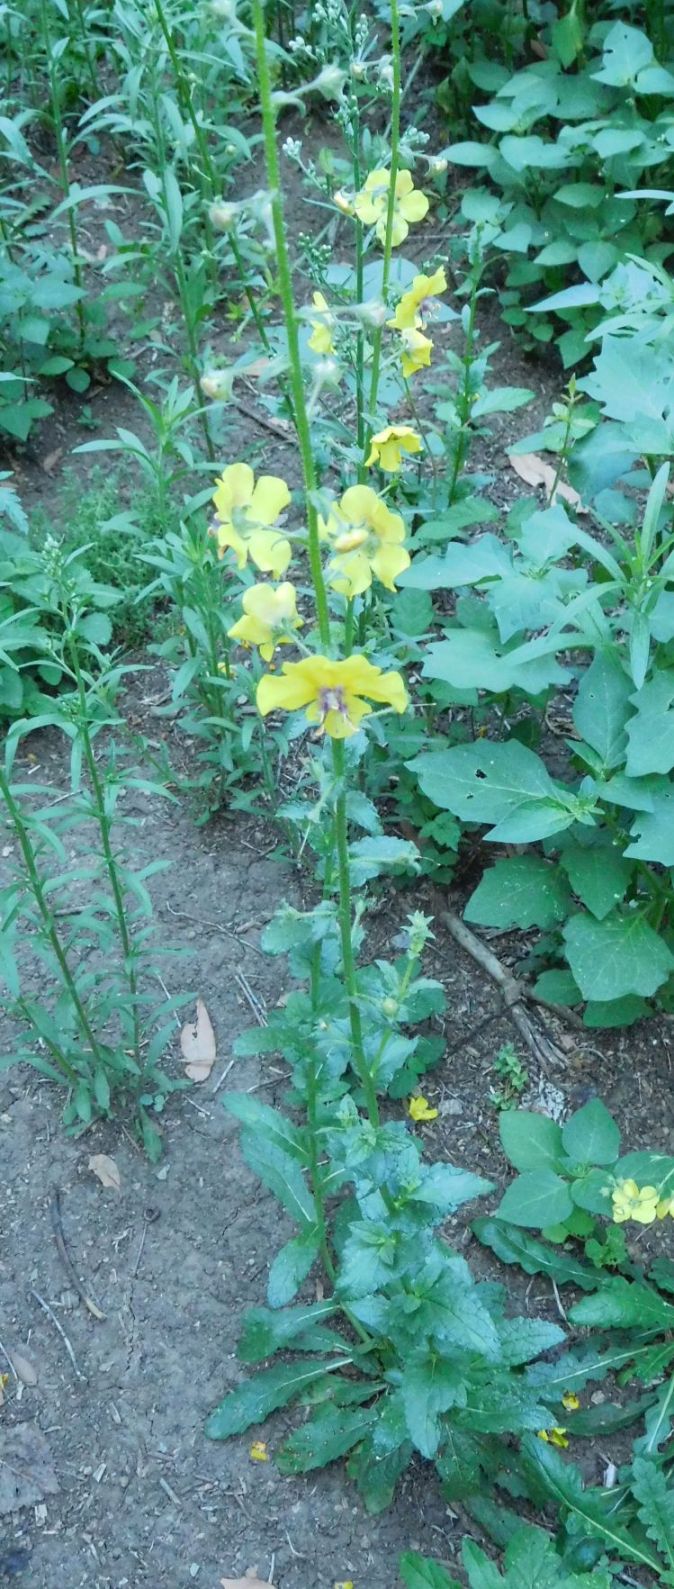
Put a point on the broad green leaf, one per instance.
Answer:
(658, 1421)
(601, 708)
(266, 1331)
(260, 1395)
(501, 400)
(376, 1476)
(530, 1141)
(520, 891)
(535, 1199)
(430, 1385)
(329, 1434)
(291, 1266)
(618, 955)
(626, 52)
(446, 1187)
(574, 1370)
(482, 1571)
(624, 1305)
(597, 872)
(470, 658)
(266, 1122)
(656, 1505)
(513, 1245)
(281, 1174)
(591, 1136)
(485, 782)
(468, 511)
(607, 1013)
(484, 559)
(558, 987)
(592, 1510)
(523, 1339)
(652, 832)
(420, 1572)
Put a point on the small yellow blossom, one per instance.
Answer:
(630, 1202)
(415, 303)
(554, 1437)
(344, 201)
(321, 340)
(4, 1380)
(665, 1207)
(258, 1451)
(418, 1108)
(331, 692)
(245, 512)
(371, 204)
(387, 447)
(416, 351)
(346, 1584)
(367, 541)
(571, 1401)
(268, 616)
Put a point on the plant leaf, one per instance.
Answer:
(263, 1393)
(197, 1043)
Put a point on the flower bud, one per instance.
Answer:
(217, 384)
(223, 216)
(372, 313)
(359, 70)
(344, 201)
(330, 81)
(390, 1007)
(437, 166)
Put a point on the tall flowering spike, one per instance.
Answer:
(366, 542)
(389, 444)
(371, 204)
(415, 304)
(333, 694)
(269, 617)
(245, 513)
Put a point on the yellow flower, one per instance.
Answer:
(571, 1401)
(367, 540)
(418, 1108)
(387, 447)
(416, 351)
(665, 1207)
(331, 692)
(268, 615)
(244, 515)
(554, 1437)
(371, 204)
(414, 303)
(258, 1451)
(346, 1584)
(629, 1202)
(320, 340)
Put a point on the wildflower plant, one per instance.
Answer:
(98, 1026)
(440, 1364)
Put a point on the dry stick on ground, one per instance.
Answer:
(513, 992)
(66, 1260)
(51, 1315)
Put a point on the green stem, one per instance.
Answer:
(192, 344)
(62, 151)
(105, 830)
(286, 292)
(312, 1119)
(358, 1059)
(463, 402)
(39, 896)
(84, 37)
(390, 213)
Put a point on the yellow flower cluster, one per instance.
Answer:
(367, 539)
(410, 320)
(642, 1204)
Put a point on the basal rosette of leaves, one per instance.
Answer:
(562, 140)
(557, 609)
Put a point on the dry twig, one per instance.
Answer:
(512, 991)
(66, 1260)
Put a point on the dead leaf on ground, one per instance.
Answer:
(197, 1043)
(249, 1581)
(106, 1170)
(49, 463)
(536, 472)
(24, 1369)
(26, 1468)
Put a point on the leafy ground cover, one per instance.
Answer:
(359, 593)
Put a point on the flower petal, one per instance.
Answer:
(270, 551)
(414, 206)
(270, 497)
(234, 489)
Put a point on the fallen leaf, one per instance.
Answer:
(249, 1581)
(23, 1368)
(536, 472)
(49, 463)
(26, 1469)
(197, 1042)
(4, 1381)
(106, 1170)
